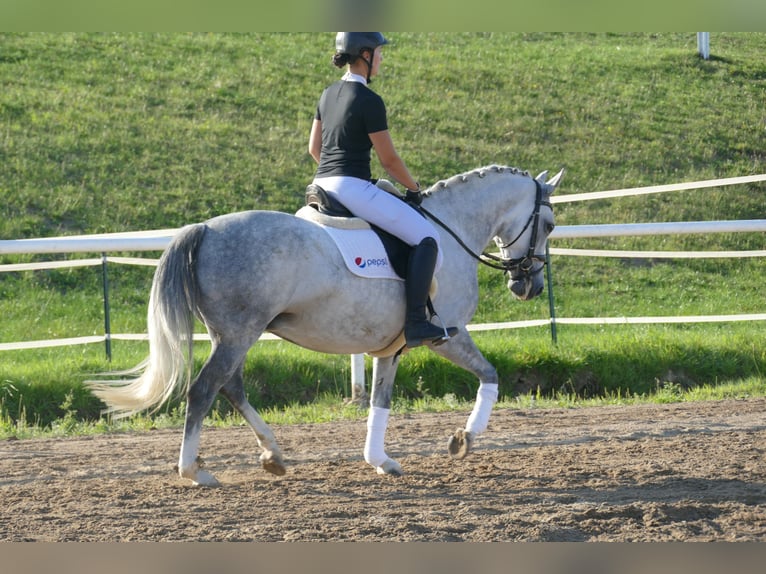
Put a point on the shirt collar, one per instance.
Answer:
(349, 77)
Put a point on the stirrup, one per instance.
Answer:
(433, 339)
(449, 332)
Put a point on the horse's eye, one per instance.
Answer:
(549, 227)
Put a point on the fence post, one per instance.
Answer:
(551, 305)
(107, 323)
(358, 387)
(703, 44)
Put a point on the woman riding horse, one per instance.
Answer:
(350, 120)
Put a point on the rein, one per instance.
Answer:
(524, 264)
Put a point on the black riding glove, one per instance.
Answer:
(413, 197)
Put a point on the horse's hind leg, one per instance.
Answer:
(219, 368)
(271, 457)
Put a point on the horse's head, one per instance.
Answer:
(522, 239)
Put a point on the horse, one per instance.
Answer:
(246, 273)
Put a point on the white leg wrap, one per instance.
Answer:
(485, 400)
(374, 449)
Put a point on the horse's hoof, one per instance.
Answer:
(204, 478)
(460, 443)
(197, 475)
(273, 464)
(390, 467)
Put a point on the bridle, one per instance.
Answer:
(517, 267)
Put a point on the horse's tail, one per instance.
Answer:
(172, 306)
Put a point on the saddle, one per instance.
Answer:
(320, 200)
(325, 203)
(330, 212)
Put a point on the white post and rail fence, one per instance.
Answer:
(157, 240)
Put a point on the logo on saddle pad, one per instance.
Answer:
(363, 253)
(363, 263)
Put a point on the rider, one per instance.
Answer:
(350, 120)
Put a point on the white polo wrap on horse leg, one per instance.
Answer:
(486, 397)
(377, 422)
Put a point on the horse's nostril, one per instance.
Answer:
(519, 288)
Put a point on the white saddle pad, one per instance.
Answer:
(361, 248)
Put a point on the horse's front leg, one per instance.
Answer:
(383, 374)
(462, 351)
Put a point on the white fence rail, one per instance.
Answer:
(157, 240)
(122, 242)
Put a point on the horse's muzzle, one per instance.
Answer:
(518, 288)
(527, 286)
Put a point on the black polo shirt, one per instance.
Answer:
(348, 111)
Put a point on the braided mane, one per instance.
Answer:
(466, 177)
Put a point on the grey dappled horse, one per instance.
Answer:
(246, 273)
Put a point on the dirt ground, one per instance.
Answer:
(678, 472)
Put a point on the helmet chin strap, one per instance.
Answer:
(369, 64)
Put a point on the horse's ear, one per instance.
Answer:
(556, 179)
(541, 176)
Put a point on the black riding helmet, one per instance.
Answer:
(354, 43)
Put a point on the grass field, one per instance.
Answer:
(116, 132)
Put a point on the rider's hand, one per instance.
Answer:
(413, 196)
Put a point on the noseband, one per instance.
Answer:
(519, 267)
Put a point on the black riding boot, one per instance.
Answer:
(420, 269)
